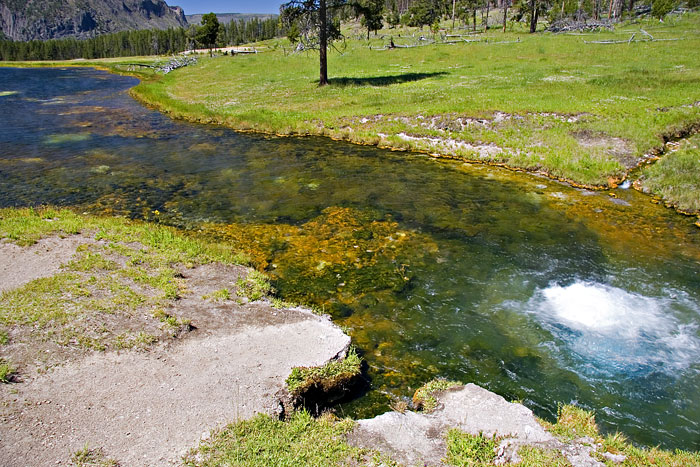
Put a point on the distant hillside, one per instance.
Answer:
(228, 17)
(23, 20)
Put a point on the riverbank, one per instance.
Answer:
(588, 114)
(584, 113)
(134, 339)
(466, 426)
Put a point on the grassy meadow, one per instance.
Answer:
(551, 103)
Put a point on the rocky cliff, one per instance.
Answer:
(23, 20)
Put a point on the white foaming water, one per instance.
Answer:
(617, 330)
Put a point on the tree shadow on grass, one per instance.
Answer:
(383, 80)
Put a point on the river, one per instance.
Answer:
(538, 291)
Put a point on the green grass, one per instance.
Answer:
(27, 225)
(638, 457)
(254, 286)
(92, 457)
(676, 176)
(327, 377)
(536, 457)
(111, 295)
(218, 295)
(465, 450)
(424, 397)
(300, 441)
(623, 98)
(574, 422)
(6, 371)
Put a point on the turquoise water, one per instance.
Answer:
(535, 290)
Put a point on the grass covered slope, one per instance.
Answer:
(676, 177)
(585, 112)
(116, 292)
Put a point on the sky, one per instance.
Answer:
(192, 7)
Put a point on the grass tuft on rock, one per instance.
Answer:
(466, 450)
(574, 422)
(254, 286)
(326, 378)
(424, 397)
(531, 456)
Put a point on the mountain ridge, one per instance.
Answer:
(228, 17)
(23, 20)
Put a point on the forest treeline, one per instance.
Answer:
(141, 42)
(376, 13)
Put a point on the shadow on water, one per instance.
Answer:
(384, 80)
(519, 284)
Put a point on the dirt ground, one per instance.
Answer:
(147, 408)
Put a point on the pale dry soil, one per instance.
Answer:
(147, 408)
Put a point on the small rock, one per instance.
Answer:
(616, 458)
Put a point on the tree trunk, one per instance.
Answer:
(323, 44)
(596, 10)
(505, 14)
(474, 19)
(533, 15)
(486, 24)
(454, 4)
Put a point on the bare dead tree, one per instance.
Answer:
(316, 29)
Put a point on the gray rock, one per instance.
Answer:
(616, 458)
(415, 438)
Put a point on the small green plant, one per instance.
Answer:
(141, 341)
(4, 337)
(635, 456)
(218, 295)
(171, 321)
(326, 377)
(279, 303)
(92, 457)
(468, 450)
(424, 397)
(6, 371)
(574, 422)
(531, 456)
(254, 286)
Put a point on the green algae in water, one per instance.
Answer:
(437, 269)
(67, 138)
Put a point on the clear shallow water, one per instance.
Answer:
(532, 289)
